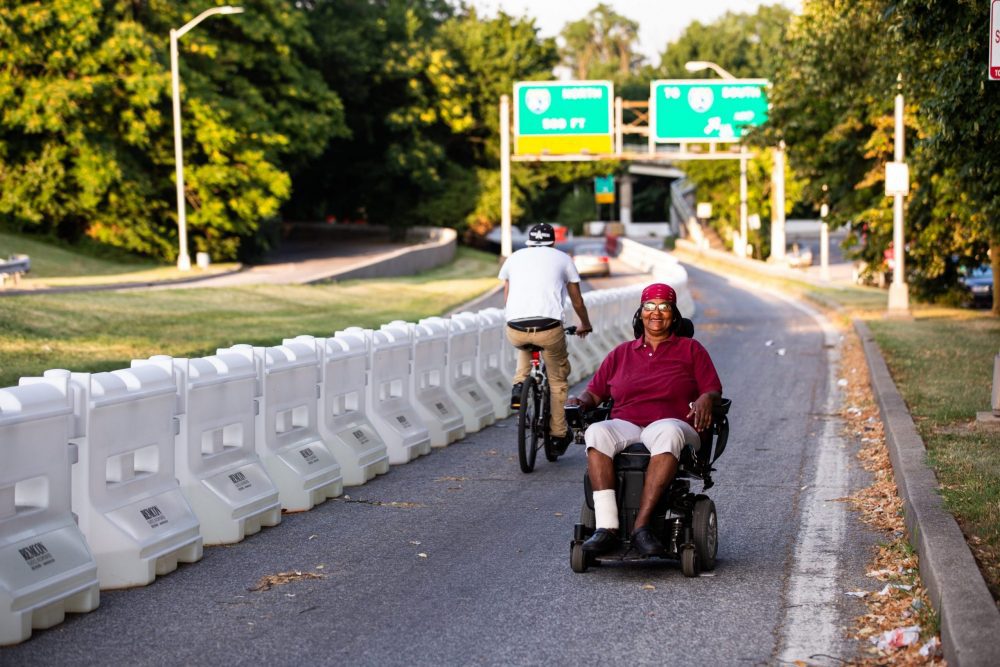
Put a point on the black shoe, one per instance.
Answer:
(515, 396)
(602, 541)
(646, 543)
(560, 443)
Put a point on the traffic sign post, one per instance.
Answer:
(994, 62)
(698, 110)
(563, 117)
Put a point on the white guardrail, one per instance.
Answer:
(158, 459)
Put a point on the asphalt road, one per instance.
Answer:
(458, 558)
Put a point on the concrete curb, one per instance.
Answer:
(110, 287)
(437, 250)
(970, 621)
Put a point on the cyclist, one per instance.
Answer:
(537, 280)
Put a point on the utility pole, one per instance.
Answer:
(899, 295)
(778, 219)
(506, 244)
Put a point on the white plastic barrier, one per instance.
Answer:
(489, 369)
(125, 492)
(427, 380)
(286, 433)
(215, 459)
(602, 339)
(629, 299)
(615, 314)
(342, 419)
(46, 568)
(508, 353)
(463, 352)
(587, 351)
(390, 402)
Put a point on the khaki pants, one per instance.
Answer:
(556, 358)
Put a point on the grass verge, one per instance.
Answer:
(58, 266)
(99, 331)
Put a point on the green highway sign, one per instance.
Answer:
(693, 110)
(563, 117)
(604, 189)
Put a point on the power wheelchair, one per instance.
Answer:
(685, 522)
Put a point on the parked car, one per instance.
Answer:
(798, 257)
(591, 259)
(979, 282)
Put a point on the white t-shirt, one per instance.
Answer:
(538, 277)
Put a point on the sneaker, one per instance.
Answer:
(515, 396)
(562, 442)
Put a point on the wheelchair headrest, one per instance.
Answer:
(685, 327)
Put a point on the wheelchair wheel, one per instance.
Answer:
(705, 526)
(527, 433)
(689, 561)
(578, 559)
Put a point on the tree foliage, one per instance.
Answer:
(602, 45)
(387, 111)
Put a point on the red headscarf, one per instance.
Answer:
(659, 291)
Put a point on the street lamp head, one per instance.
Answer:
(695, 65)
(228, 9)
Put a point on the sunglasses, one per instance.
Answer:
(649, 307)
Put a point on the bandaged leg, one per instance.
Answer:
(605, 509)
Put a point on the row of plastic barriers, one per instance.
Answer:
(108, 480)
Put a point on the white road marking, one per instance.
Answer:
(811, 626)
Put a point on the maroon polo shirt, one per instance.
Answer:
(648, 385)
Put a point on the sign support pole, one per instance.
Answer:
(778, 217)
(899, 296)
(506, 245)
(743, 202)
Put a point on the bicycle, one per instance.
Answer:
(534, 411)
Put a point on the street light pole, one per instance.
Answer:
(743, 202)
(694, 66)
(183, 258)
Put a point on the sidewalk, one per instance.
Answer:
(970, 620)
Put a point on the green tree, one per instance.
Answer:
(955, 209)
(745, 45)
(602, 45)
(81, 97)
(86, 147)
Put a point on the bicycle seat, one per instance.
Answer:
(529, 347)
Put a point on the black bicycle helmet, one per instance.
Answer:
(541, 234)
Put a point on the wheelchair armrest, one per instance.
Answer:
(720, 426)
(721, 409)
(578, 418)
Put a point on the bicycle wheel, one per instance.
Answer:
(527, 432)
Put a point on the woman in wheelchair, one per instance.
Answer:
(664, 386)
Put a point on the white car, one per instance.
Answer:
(591, 259)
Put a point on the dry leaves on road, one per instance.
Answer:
(269, 581)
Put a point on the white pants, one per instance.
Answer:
(666, 435)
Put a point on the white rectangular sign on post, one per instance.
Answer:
(897, 179)
(994, 67)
